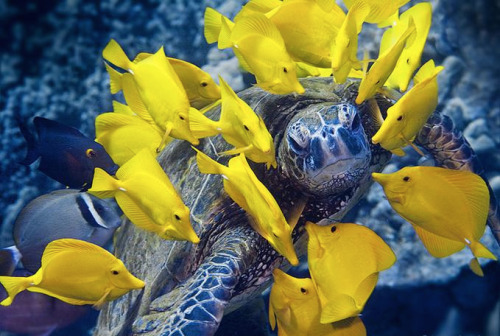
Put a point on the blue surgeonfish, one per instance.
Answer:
(59, 214)
(66, 155)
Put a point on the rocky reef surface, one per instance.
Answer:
(50, 65)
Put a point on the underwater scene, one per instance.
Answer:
(261, 167)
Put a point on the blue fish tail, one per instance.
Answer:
(32, 153)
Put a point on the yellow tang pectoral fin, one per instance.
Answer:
(343, 306)
(294, 214)
(136, 215)
(352, 326)
(398, 151)
(99, 303)
(209, 107)
(410, 142)
(438, 247)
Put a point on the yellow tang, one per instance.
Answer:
(345, 45)
(248, 192)
(76, 272)
(447, 208)
(240, 126)
(259, 47)
(200, 88)
(309, 39)
(382, 12)
(159, 90)
(124, 134)
(344, 262)
(409, 114)
(306, 70)
(294, 306)
(384, 65)
(147, 197)
(409, 60)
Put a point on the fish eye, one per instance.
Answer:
(408, 61)
(400, 118)
(203, 84)
(406, 178)
(303, 290)
(378, 82)
(333, 229)
(115, 272)
(246, 127)
(177, 217)
(90, 153)
(181, 117)
(285, 70)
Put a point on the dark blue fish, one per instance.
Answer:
(37, 314)
(66, 155)
(59, 214)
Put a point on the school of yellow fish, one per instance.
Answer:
(166, 98)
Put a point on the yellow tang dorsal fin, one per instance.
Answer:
(133, 98)
(257, 24)
(141, 57)
(426, 71)
(475, 191)
(161, 60)
(114, 54)
(326, 5)
(122, 108)
(359, 11)
(438, 247)
(56, 247)
(145, 162)
(227, 95)
(106, 122)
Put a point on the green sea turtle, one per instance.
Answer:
(325, 159)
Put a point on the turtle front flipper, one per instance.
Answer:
(450, 149)
(196, 306)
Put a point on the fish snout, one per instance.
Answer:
(136, 283)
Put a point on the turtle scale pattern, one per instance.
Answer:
(190, 287)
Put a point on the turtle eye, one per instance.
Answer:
(204, 84)
(400, 118)
(90, 153)
(115, 272)
(303, 290)
(406, 178)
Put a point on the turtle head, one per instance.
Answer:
(325, 150)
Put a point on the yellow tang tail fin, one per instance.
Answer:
(103, 185)
(201, 126)
(213, 25)
(115, 79)
(114, 54)
(13, 286)
(225, 33)
(206, 165)
(475, 267)
(480, 251)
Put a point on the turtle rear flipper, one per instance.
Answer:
(451, 150)
(196, 306)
